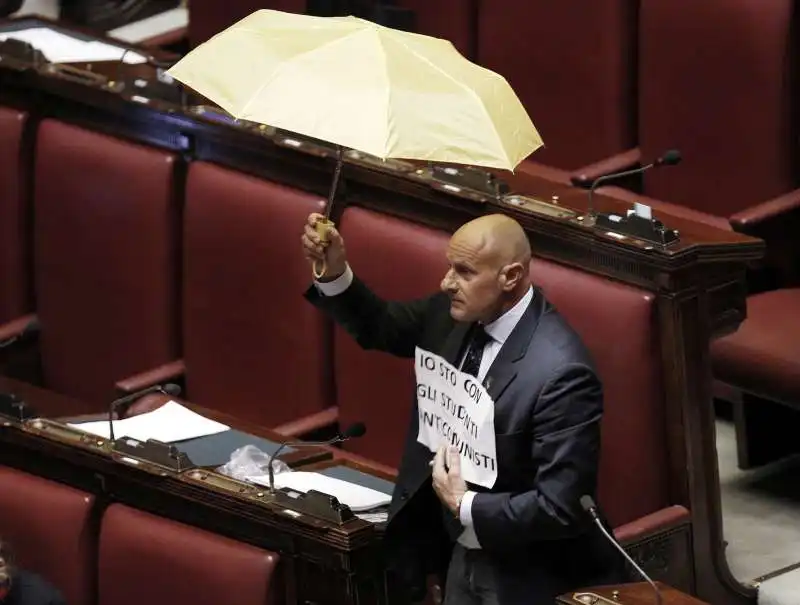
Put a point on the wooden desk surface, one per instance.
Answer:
(639, 593)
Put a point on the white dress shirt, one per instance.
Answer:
(499, 330)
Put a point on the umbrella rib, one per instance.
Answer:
(461, 85)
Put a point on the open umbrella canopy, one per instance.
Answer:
(351, 82)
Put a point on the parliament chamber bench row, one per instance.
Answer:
(732, 78)
(112, 242)
(143, 270)
(97, 553)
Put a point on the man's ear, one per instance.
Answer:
(511, 275)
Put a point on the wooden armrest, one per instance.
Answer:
(776, 208)
(18, 328)
(627, 160)
(656, 522)
(172, 371)
(314, 422)
(167, 38)
(368, 466)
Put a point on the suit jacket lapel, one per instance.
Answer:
(454, 343)
(503, 370)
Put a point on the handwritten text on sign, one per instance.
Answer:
(455, 410)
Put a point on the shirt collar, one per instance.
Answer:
(501, 328)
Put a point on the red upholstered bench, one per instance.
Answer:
(51, 530)
(147, 559)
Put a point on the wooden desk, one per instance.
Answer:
(323, 562)
(699, 281)
(640, 593)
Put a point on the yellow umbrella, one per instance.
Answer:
(356, 84)
(350, 82)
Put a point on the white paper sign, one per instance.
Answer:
(455, 410)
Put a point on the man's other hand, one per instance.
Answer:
(317, 251)
(448, 484)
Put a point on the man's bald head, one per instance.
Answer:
(489, 267)
(497, 238)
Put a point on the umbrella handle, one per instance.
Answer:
(323, 227)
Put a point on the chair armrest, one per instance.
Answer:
(757, 215)
(368, 466)
(18, 328)
(551, 173)
(174, 370)
(167, 38)
(313, 422)
(657, 522)
(627, 160)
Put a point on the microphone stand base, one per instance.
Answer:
(151, 453)
(646, 229)
(313, 503)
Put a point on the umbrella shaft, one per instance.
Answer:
(337, 173)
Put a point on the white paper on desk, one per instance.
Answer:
(357, 497)
(63, 48)
(170, 423)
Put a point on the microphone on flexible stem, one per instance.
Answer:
(669, 158)
(590, 507)
(355, 430)
(173, 390)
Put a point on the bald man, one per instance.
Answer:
(527, 539)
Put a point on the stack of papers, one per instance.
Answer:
(170, 423)
(357, 497)
(63, 48)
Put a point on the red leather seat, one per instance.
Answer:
(50, 528)
(617, 323)
(15, 295)
(147, 559)
(106, 244)
(763, 356)
(251, 347)
(758, 370)
(374, 387)
(573, 69)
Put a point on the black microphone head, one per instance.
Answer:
(171, 389)
(355, 430)
(669, 158)
(587, 502)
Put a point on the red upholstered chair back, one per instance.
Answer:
(402, 260)
(618, 325)
(209, 17)
(448, 19)
(252, 346)
(717, 80)
(399, 260)
(52, 532)
(106, 242)
(14, 211)
(147, 559)
(572, 66)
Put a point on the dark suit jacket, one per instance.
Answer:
(548, 405)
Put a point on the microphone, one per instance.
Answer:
(167, 389)
(354, 431)
(669, 158)
(589, 506)
(31, 327)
